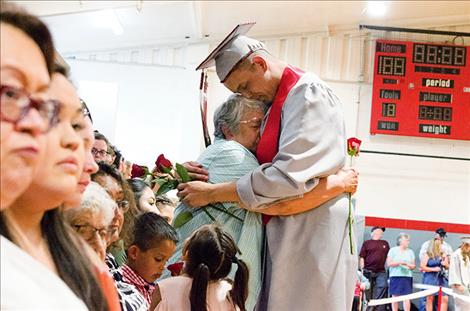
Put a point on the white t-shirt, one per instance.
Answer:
(446, 248)
(27, 284)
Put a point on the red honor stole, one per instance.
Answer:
(268, 145)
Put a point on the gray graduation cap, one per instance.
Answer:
(231, 51)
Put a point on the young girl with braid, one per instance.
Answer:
(208, 258)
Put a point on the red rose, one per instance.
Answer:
(163, 164)
(137, 171)
(176, 268)
(353, 146)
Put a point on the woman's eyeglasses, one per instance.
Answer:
(88, 231)
(16, 103)
(252, 122)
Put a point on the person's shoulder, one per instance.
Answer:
(425, 243)
(309, 78)
(456, 253)
(311, 82)
(175, 280)
(448, 246)
(393, 250)
(313, 90)
(223, 149)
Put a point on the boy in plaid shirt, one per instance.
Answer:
(154, 241)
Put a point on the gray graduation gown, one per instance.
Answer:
(459, 274)
(310, 266)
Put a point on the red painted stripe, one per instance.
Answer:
(416, 224)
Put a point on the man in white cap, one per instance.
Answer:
(459, 274)
(309, 265)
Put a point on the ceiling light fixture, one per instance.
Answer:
(377, 8)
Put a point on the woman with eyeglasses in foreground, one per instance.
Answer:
(37, 249)
(26, 60)
(34, 221)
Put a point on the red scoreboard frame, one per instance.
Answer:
(421, 89)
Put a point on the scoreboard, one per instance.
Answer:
(421, 89)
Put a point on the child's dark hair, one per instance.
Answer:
(151, 229)
(210, 254)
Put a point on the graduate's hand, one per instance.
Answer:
(195, 193)
(196, 171)
(349, 178)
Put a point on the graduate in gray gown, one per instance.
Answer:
(310, 266)
(459, 274)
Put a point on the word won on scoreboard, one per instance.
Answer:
(421, 89)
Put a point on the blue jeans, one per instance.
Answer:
(378, 287)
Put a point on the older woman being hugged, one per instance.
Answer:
(237, 125)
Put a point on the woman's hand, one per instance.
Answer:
(195, 193)
(445, 261)
(349, 178)
(196, 171)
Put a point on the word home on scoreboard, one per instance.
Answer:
(421, 89)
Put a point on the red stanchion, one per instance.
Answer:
(439, 298)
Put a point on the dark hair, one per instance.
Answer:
(108, 170)
(74, 268)
(111, 150)
(99, 136)
(33, 27)
(129, 217)
(138, 186)
(211, 252)
(151, 229)
(117, 156)
(61, 69)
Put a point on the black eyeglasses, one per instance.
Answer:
(16, 103)
(88, 231)
(96, 152)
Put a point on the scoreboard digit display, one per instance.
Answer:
(421, 89)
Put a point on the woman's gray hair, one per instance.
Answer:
(95, 201)
(402, 236)
(229, 114)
